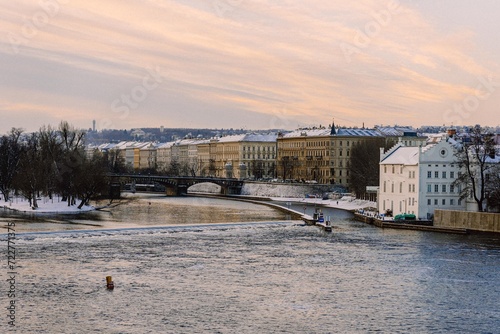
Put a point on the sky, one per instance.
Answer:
(251, 64)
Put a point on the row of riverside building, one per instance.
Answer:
(420, 179)
(416, 175)
(319, 155)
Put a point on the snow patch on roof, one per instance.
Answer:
(402, 156)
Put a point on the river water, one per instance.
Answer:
(193, 265)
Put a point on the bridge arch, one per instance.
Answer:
(205, 187)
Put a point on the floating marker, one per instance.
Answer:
(109, 283)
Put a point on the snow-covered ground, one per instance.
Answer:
(345, 203)
(45, 205)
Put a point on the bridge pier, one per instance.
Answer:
(171, 191)
(178, 190)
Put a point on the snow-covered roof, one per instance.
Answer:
(402, 156)
(166, 145)
(358, 132)
(249, 137)
(340, 132)
(396, 131)
(307, 132)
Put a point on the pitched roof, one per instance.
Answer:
(249, 137)
(402, 156)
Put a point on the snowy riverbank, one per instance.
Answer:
(45, 205)
(345, 203)
(290, 192)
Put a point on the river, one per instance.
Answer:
(195, 265)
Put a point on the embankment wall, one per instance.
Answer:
(295, 190)
(476, 221)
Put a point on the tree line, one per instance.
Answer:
(51, 161)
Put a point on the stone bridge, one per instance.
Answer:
(178, 185)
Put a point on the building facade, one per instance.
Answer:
(419, 180)
(319, 155)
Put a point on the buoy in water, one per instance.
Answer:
(109, 283)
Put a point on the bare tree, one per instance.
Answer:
(364, 164)
(51, 153)
(474, 160)
(10, 154)
(91, 179)
(115, 162)
(493, 189)
(72, 156)
(257, 168)
(212, 169)
(30, 179)
(289, 165)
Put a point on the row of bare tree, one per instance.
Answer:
(49, 162)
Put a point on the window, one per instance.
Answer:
(443, 188)
(435, 201)
(436, 188)
(428, 201)
(452, 188)
(444, 175)
(429, 174)
(436, 174)
(392, 187)
(409, 188)
(385, 188)
(452, 201)
(429, 189)
(459, 201)
(444, 201)
(385, 169)
(452, 175)
(400, 187)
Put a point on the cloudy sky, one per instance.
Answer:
(254, 64)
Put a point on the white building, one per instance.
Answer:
(419, 180)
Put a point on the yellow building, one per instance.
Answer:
(319, 154)
(241, 156)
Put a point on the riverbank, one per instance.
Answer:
(45, 205)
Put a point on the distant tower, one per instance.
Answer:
(333, 132)
(93, 125)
